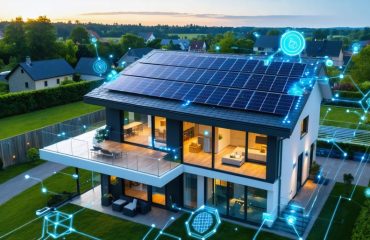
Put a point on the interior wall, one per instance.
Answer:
(220, 144)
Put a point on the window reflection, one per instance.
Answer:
(137, 128)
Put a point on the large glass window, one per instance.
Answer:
(159, 195)
(256, 204)
(190, 190)
(160, 132)
(136, 190)
(217, 194)
(197, 144)
(257, 147)
(137, 128)
(236, 201)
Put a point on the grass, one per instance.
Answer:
(15, 170)
(345, 217)
(21, 209)
(15, 125)
(339, 117)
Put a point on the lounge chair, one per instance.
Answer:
(130, 209)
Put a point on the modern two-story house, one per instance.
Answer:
(228, 131)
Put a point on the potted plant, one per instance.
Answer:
(106, 199)
(315, 170)
(100, 136)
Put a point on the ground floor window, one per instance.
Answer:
(136, 190)
(190, 190)
(159, 195)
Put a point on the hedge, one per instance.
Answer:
(23, 102)
(362, 225)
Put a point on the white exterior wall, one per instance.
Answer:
(52, 82)
(296, 145)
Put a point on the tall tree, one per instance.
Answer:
(274, 32)
(360, 69)
(68, 51)
(41, 38)
(131, 41)
(14, 37)
(80, 35)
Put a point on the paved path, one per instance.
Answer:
(18, 184)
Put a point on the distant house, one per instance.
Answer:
(3, 76)
(265, 45)
(183, 43)
(198, 46)
(35, 75)
(133, 55)
(325, 48)
(147, 36)
(93, 34)
(86, 71)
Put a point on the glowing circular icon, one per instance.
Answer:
(329, 63)
(203, 223)
(356, 47)
(292, 43)
(100, 66)
(93, 40)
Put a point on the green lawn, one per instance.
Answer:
(345, 217)
(19, 124)
(338, 116)
(15, 170)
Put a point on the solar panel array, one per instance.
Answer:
(231, 82)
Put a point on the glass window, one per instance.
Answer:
(236, 201)
(197, 144)
(217, 194)
(256, 204)
(257, 147)
(159, 195)
(45, 83)
(136, 190)
(137, 128)
(160, 132)
(304, 126)
(190, 190)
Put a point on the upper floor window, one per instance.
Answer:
(58, 81)
(45, 83)
(26, 84)
(22, 71)
(304, 126)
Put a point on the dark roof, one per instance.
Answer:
(85, 67)
(39, 70)
(265, 41)
(145, 35)
(138, 52)
(323, 48)
(197, 45)
(243, 118)
(184, 42)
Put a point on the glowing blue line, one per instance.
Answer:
(358, 179)
(332, 218)
(147, 234)
(14, 230)
(295, 230)
(259, 229)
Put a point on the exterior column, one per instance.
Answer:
(272, 203)
(114, 122)
(200, 191)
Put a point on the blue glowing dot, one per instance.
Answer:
(291, 220)
(329, 63)
(217, 48)
(44, 190)
(27, 176)
(292, 43)
(100, 66)
(341, 76)
(206, 133)
(356, 47)
(367, 192)
(93, 40)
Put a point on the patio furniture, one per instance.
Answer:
(130, 209)
(232, 159)
(118, 205)
(144, 207)
(195, 147)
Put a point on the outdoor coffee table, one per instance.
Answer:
(118, 205)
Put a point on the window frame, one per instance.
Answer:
(304, 126)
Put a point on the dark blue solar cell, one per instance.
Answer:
(216, 96)
(238, 65)
(196, 63)
(261, 68)
(166, 72)
(208, 74)
(243, 98)
(207, 62)
(279, 84)
(270, 103)
(285, 69)
(165, 59)
(250, 65)
(256, 101)
(175, 59)
(217, 78)
(193, 93)
(154, 58)
(151, 86)
(273, 68)
(240, 80)
(228, 64)
(298, 70)
(141, 86)
(185, 75)
(195, 76)
(228, 79)
(290, 83)
(161, 88)
(184, 60)
(253, 81)
(171, 90)
(217, 63)
(229, 97)
(176, 73)
(182, 91)
(204, 94)
(189, 61)
(284, 105)
(266, 83)
(157, 72)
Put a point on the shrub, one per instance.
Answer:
(57, 199)
(33, 154)
(66, 82)
(22, 102)
(361, 230)
(4, 88)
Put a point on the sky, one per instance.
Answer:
(259, 13)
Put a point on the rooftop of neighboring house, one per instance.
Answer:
(197, 45)
(240, 90)
(44, 69)
(184, 42)
(145, 35)
(323, 48)
(265, 41)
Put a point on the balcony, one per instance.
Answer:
(123, 160)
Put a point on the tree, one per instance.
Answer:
(273, 32)
(244, 46)
(130, 40)
(156, 44)
(41, 38)
(172, 46)
(320, 34)
(33, 154)
(80, 35)
(361, 230)
(360, 69)
(68, 51)
(14, 38)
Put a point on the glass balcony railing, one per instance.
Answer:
(95, 148)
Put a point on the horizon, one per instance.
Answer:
(236, 13)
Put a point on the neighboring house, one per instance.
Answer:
(183, 43)
(198, 46)
(325, 48)
(93, 34)
(266, 45)
(86, 71)
(35, 75)
(147, 36)
(133, 55)
(183, 133)
(3, 76)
